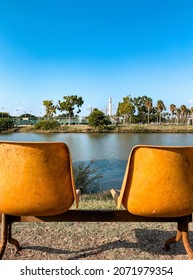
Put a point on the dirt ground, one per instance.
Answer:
(96, 241)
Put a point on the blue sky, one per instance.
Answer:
(95, 49)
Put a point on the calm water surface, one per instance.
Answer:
(109, 151)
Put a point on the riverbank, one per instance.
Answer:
(133, 128)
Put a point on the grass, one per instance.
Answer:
(97, 201)
(132, 128)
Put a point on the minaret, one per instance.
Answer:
(110, 106)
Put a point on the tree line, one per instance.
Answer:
(130, 110)
(141, 110)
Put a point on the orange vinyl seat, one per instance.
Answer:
(36, 179)
(158, 182)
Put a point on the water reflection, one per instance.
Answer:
(109, 151)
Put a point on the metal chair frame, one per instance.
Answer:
(96, 216)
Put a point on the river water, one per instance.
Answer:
(109, 151)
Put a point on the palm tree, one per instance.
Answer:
(160, 107)
(178, 111)
(191, 111)
(183, 110)
(172, 109)
(148, 104)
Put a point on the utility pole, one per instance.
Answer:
(110, 106)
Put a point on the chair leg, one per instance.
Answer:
(4, 234)
(13, 241)
(182, 234)
(174, 239)
(186, 242)
(115, 195)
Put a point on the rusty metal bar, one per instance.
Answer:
(4, 237)
(97, 216)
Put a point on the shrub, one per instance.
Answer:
(47, 125)
(86, 177)
(6, 124)
(98, 119)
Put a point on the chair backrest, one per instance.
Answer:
(35, 178)
(158, 181)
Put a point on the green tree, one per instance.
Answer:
(6, 124)
(68, 104)
(183, 110)
(142, 109)
(178, 111)
(191, 110)
(126, 109)
(4, 115)
(148, 103)
(160, 107)
(98, 119)
(172, 109)
(50, 108)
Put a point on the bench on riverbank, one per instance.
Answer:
(96, 216)
(157, 187)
